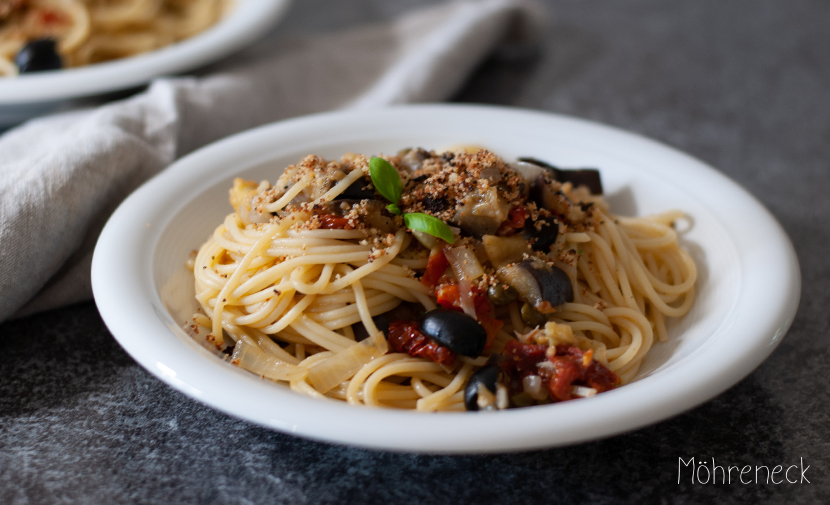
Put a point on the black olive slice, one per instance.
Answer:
(38, 56)
(488, 376)
(456, 331)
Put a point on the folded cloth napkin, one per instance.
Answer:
(62, 176)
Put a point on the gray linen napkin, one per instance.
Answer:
(62, 176)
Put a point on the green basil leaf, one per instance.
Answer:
(394, 209)
(385, 179)
(428, 224)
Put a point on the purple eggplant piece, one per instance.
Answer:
(578, 177)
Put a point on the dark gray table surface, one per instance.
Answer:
(743, 85)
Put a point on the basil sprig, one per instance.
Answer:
(388, 183)
(429, 224)
(386, 180)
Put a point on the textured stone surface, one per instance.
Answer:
(743, 85)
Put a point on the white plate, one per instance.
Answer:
(747, 293)
(29, 94)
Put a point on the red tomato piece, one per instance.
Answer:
(567, 371)
(404, 337)
(524, 358)
(448, 297)
(51, 17)
(515, 221)
(571, 367)
(491, 325)
(436, 266)
(332, 222)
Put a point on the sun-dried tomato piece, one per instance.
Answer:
(566, 371)
(571, 366)
(436, 266)
(404, 337)
(515, 221)
(332, 222)
(523, 358)
(595, 375)
(599, 377)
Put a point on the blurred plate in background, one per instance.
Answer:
(29, 95)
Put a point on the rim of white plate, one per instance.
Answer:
(759, 302)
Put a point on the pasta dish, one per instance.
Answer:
(38, 35)
(438, 281)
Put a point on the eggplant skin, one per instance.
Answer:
(554, 283)
(538, 284)
(361, 189)
(542, 239)
(578, 177)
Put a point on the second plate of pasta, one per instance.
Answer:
(80, 48)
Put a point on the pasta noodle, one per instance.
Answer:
(92, 31)
(300, 282)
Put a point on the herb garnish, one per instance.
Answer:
(386, 180)
(388, 183)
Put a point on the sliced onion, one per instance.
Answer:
(583, 391)
(344, 364)
(464, 263)
(425, 239)
(466, 298)
(198, 333)
(248, 355)
(502, 400)
(533, 386)
(527, 170)
(466, 268)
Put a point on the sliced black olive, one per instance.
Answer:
(38, 56)
(578, 177)
(542, 238)
(456, 331)
(488, 376)
(361, 189)
(554, 284)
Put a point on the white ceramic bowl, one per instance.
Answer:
(747, 293)
(30, 94)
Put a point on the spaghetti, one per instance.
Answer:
(315, 283)
(92, 31)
